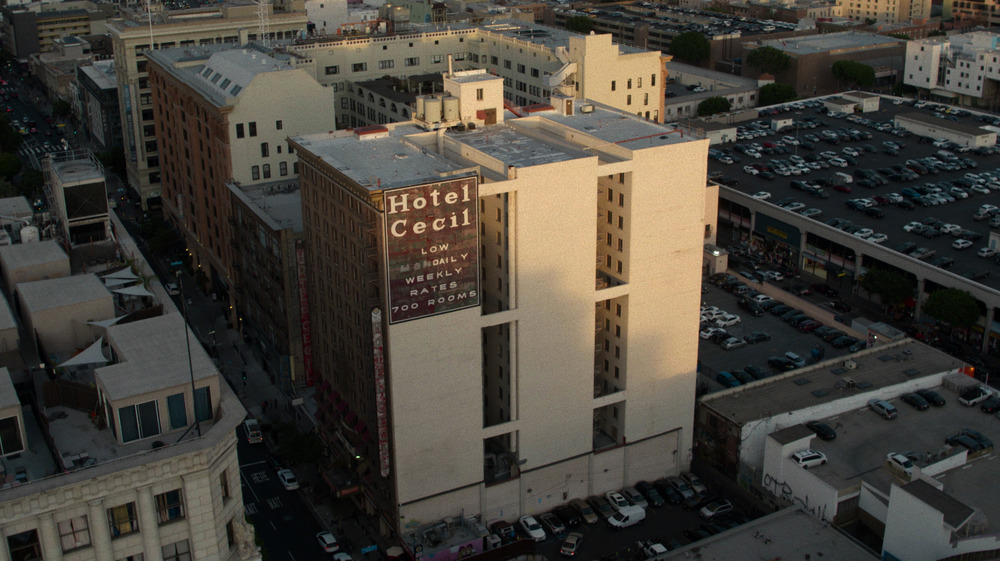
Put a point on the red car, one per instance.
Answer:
(842, 188)
(809, 326)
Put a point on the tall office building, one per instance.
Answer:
(137, 32)
(503, 309)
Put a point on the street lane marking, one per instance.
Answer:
(260, 476)
(250, 508)
(274, 503)
(257, 463)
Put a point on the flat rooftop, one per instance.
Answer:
(14, 207)
(278, 203)
(616, 127)
(786, 534)
(77, 170)
(878, 367)
(145, 368)
(22, 255)
(102, 72)
(863, 440)
(473, 76)
(830, 42)
(7, 320)
(50, 294)
(380, 163)
(959, 127)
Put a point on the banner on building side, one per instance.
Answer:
(380, 405)
(432, 248)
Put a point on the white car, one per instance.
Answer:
(961, 244)
(707, 333)
(899, 462)
(894, 198)
(751, 170)
(878, 238)
(909, 226)
(950, 228)
(616, 499)
(795, 206)
(988, 208)
(986, 252)
(761, 195)
(328, 542)
(840, 163)
(532, 528)
(728, 320)
(288, 479)
(864, 233)
(809, 458)
(172, 289)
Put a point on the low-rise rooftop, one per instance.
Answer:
(50, 294)
(878, 367)
(830, 42)
(279, 203)
(22, 255)
(925, 119)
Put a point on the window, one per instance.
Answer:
(169, 506)
(412, 61)
(278, 125)
(264, 151)
(267, 171)
(255, 172)
(179, 551)
(612, 85)
(506, 64)
(139, 421)
(520, 69)
(74, 533)
(177, 411)
(479, 94)
(203, 403)
(331, 70)
(628, 100)
(147, 114)
(230, 534)
(122, 520)
(224, 484)
(629, 84)
(386, 64)
(437, 59)
(534, 73)
(283, 169)
(359, 67)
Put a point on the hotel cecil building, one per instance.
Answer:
(503, 309)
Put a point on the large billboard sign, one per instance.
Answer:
(432, 248)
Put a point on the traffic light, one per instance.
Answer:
(244, 375)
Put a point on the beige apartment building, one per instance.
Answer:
(503, 309)
(233, 23)
(886, 11)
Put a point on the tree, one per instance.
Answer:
(714, 105)
(892, 286)
(691, 47)
(60, 108)
(8, 190)
(937, 33)
(773, 94)
(903, 36)
(32, 181)
(10, 165)
(853, 73)
(10, 140)
(953, 306)
(580, 24)
(769, 59)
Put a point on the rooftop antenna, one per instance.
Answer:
(263, 22)
(149, 18)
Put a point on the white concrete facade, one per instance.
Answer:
(585, 254)
(965, 67)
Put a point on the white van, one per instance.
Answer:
(946, 155)
(845, 177)
(627, 516)
(252, 429)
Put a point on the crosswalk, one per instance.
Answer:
(274, 503)
(250, 508)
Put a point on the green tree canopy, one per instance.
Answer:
(10, 140)
(8, 190)
(773, 94)
(32, 181)
(892, 286)
(580, 24)
(953, 306)
(691, 47)
(903, 36)
(854, 74)
(714, 105)
(10, 165)
(768, 59)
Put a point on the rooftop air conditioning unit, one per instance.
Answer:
(588, 108)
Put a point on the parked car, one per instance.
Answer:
(964, 440)
(715, 508)
(883, 408)
(973, 396)
(586, 512)
(932, 397)
(617, 500)
(780, 363)
(328, 542)
(733, 343)
(504, 530)
(798, 361)
(635, 497)
(916, 401)
(809, 458)
(552, 523)
(899, 462)
(571, 544)
(822, 430)
(681, 487)
(652, 495)
(532, 528)
(569, 516)
(977, 436)
(991, 405)
(601, 506)
(288, 480)
(756, 337)
(695, 482)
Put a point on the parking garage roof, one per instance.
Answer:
(925, 119)
(878, 367)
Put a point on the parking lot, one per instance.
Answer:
(898, 183)
(783, 336)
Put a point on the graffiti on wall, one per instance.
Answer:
(784, 492)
